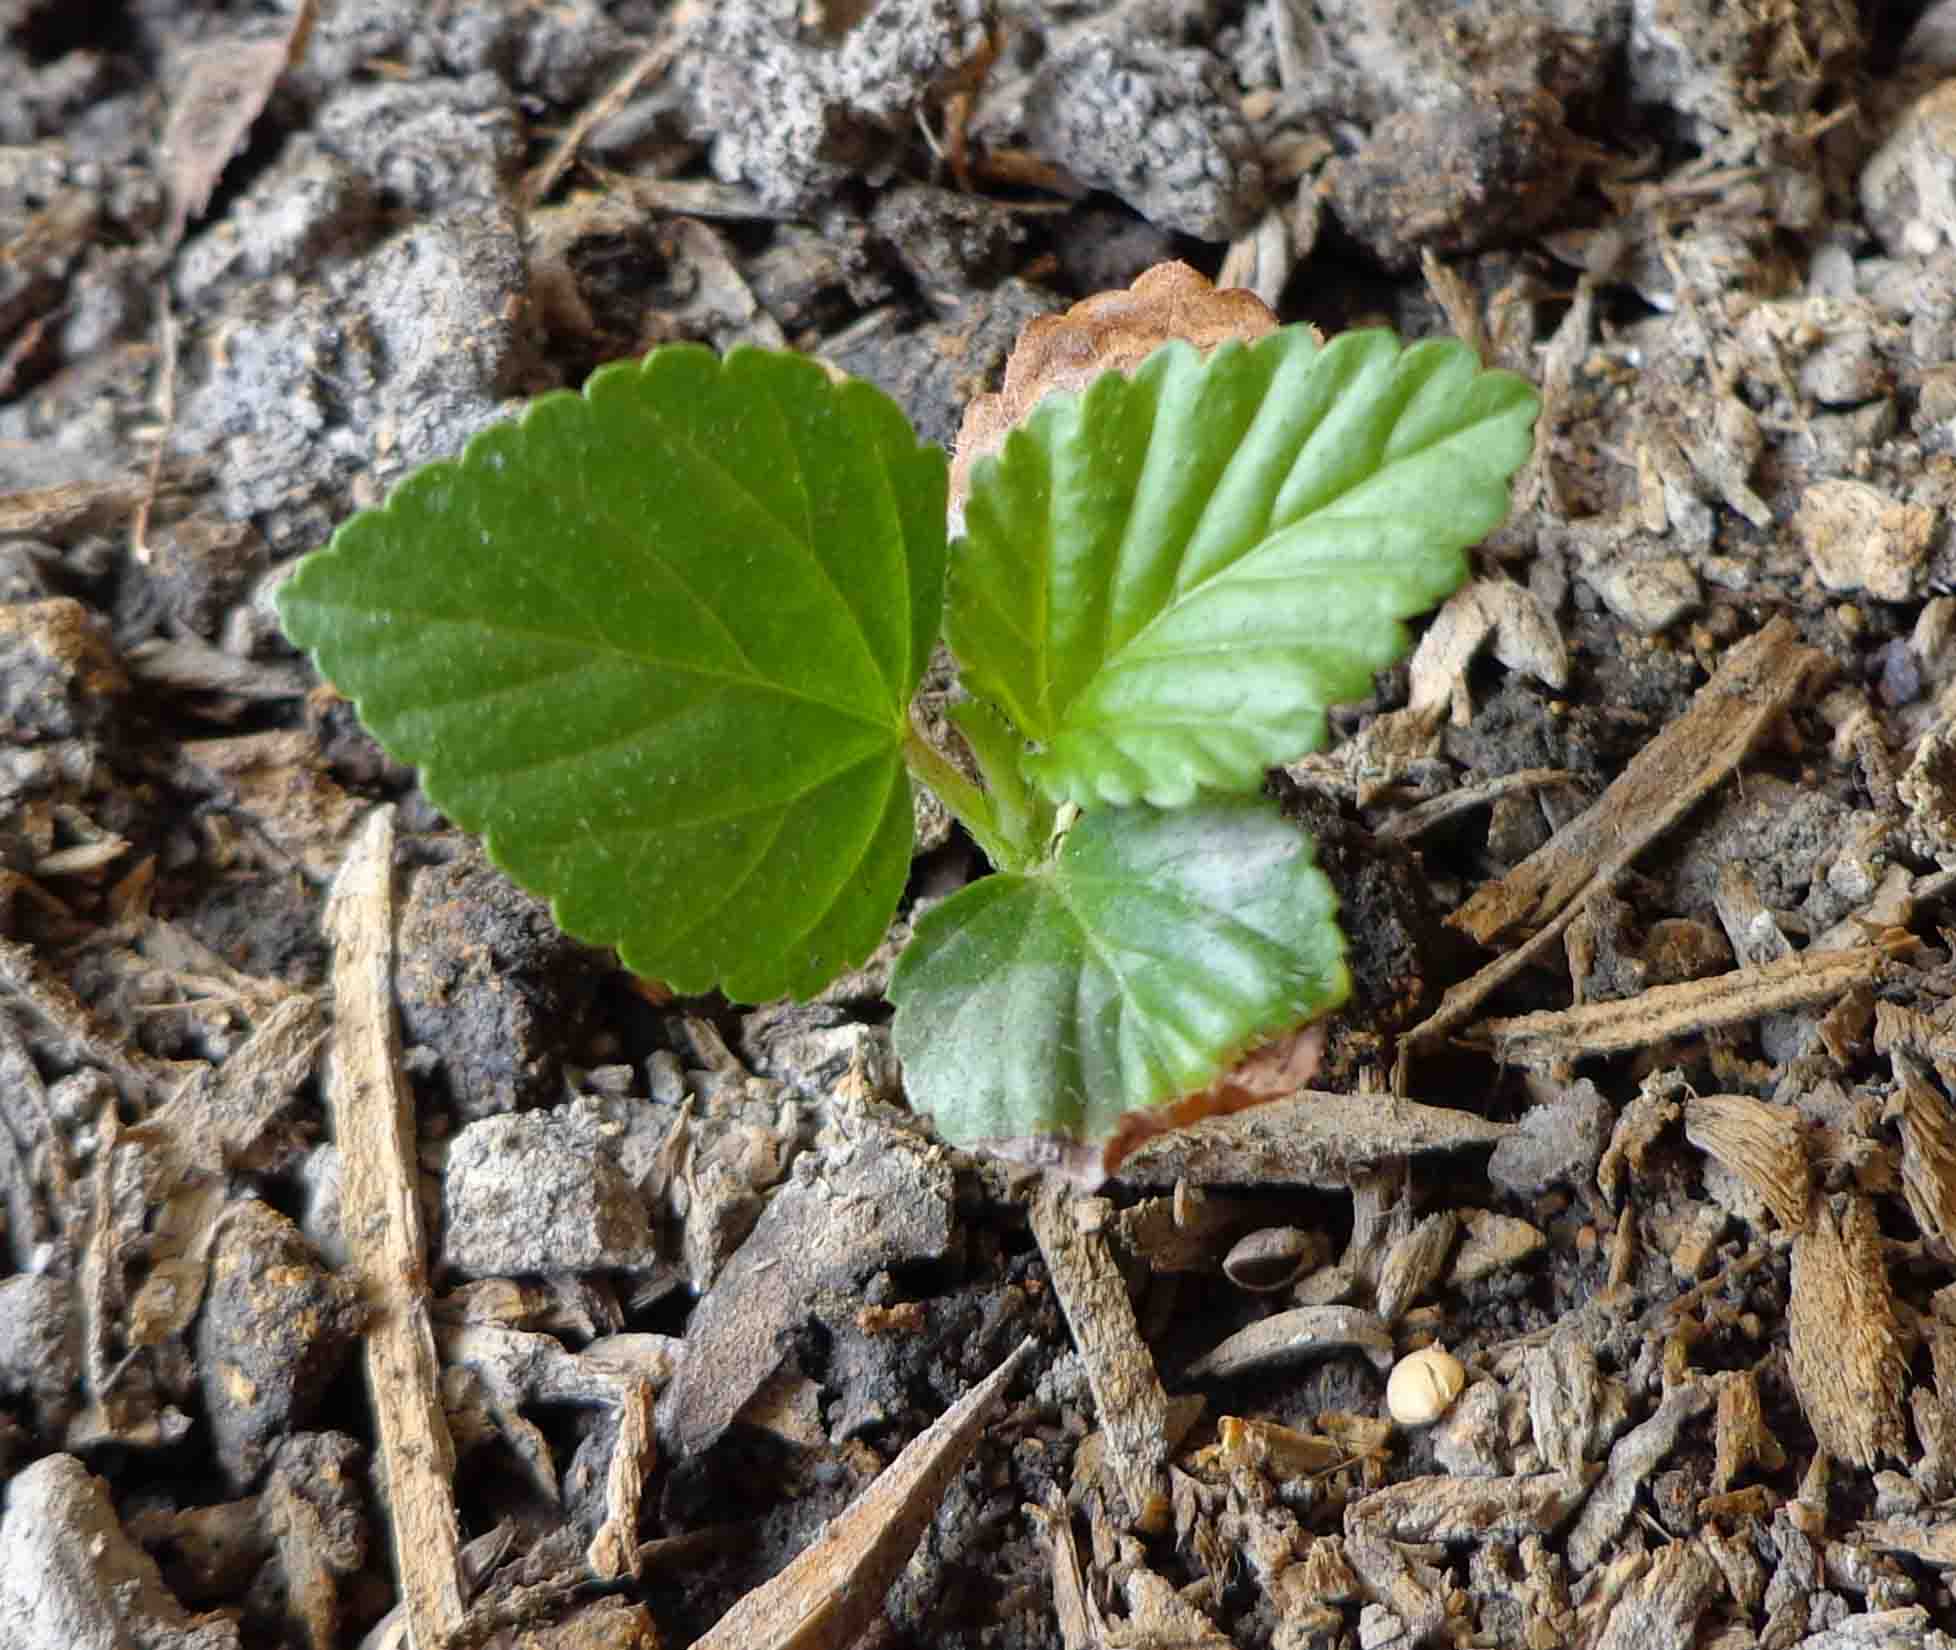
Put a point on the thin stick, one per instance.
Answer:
(373, 1122)
(655, 60)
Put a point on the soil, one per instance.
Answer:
(1642, 1110)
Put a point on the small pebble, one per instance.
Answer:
(1423, 1385)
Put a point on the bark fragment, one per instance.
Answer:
(1848, 1361)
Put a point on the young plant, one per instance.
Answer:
(657, 643)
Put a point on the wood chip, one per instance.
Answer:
(1764, 1145)
(1127, 1392)
(1410, 823)
(221, 88)
(1415, 1595)
(1414, 1263)
(1462, 1510)
(1759, 680)
(1492, 1243)
(1186, 1231)
(1081, 1624)
(1311, 1139)
(372, 1110)
(1662, 1607)
(1741, 1439)
(886, 1203)
(1848, 1362)
(1575, 1411)
(1458, 302)
(1928, 1148)
(1667, 1011)
(1927, 1543)
(834, 1588)
(71, 1025)
(653, 61)
(614, 1549)
(1631, 1462)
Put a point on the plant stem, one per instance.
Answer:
(971, 805)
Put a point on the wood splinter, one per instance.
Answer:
(373, 1123)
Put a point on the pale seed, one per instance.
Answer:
(1423, 1385)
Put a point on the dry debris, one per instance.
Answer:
(835, 1587)
(1849, 1362)
(705, 1339)
(380, 1217)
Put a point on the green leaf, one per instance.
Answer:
(1158, 946)
(994, 745)
(657, 643)
(1167, 578)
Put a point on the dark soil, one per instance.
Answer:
(1702, 1290)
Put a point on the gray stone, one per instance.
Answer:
(1156, 125)
(547, 1191)
(275, 1329)
(40, 1345)
(793, 119)
(491, 986)
(395, 357)
(428, 145)
(70, 1579)
(1560, 1143)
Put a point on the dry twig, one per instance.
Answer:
(1759, 680)
(373, 1122)
(1667, 1011)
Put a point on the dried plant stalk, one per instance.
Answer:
(373, 1122)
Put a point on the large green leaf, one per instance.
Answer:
(1157, 946)
(1167, 578)
(657, 643)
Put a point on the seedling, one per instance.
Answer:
(658, 643)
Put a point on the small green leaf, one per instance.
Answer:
(1167, 578)
(996, 747)
(1130, 970)
(657, 643)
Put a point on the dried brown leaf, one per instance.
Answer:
(1109, 332)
